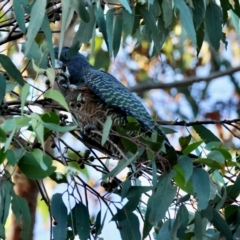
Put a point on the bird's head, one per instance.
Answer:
(74, 64)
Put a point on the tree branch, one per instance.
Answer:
(148, 85)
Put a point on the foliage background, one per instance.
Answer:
(194, 77)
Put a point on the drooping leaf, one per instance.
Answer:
(106, 130)
(191, 147)
(19, 13)
(180, 223)
(198, 12)
(21, 211)
(11, 69)
(117, 33)
(129, 227)
(32, 169)
(162, 197)
(101, 23)
(219, 223)
(201, 185)
(205, 134)
(59, 213)
(80, 7)
(109, 27)
(126, 5)
(36, 20)
(167, 12)
(3, 136)
(123, 164)
(151, 26)
(185, 162)
(186, 19)
(214, 24)
(56, 96)
(2, 88)
(25, 92)
(5, 198)
(217, 156)
(82, 220)
(67, 14)
(84, 33)
(198, 226)
(184, 141)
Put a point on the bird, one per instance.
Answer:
(94, 95)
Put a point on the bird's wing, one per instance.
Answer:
(114, 94)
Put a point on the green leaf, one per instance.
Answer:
(48, 37)
(37, 127)
(198, 226)
(117, 33)
(134, 191)
(186, 18)
(106, 130)
(129, 227)
(2, 155)
(200, 37)
(39, 156)
(126, 5)
(128, 20)
(126, 140)
(10, 86)
(109, 26)
(2, 88)
(36, 20)
(5, 198)
(165, 231)
(11, 69)
(167, 12)
(210, 163)
(56, 96)
(234, 190)
(180, 223)
(185, 162)
(58, 177)
(201, 185)
(84, 32)
(179, 178)
(191, 147)
(122, 164)
(12, 160)
(198, 12)
(162, 197)
(80, 7)
(184, 141)
(67, 15)
(8, 125)
(3, 136)
(82, 220)
(125, 187)
(217, 156)
(214, 24)
(205, 134)
(21, 211)
(25, 92)
(101, 23)
(19, 13)
(221, 224)
(32, 169)
(57, 128)
(59, 213)
(40, 59)
(9, 140)
(151, 26)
